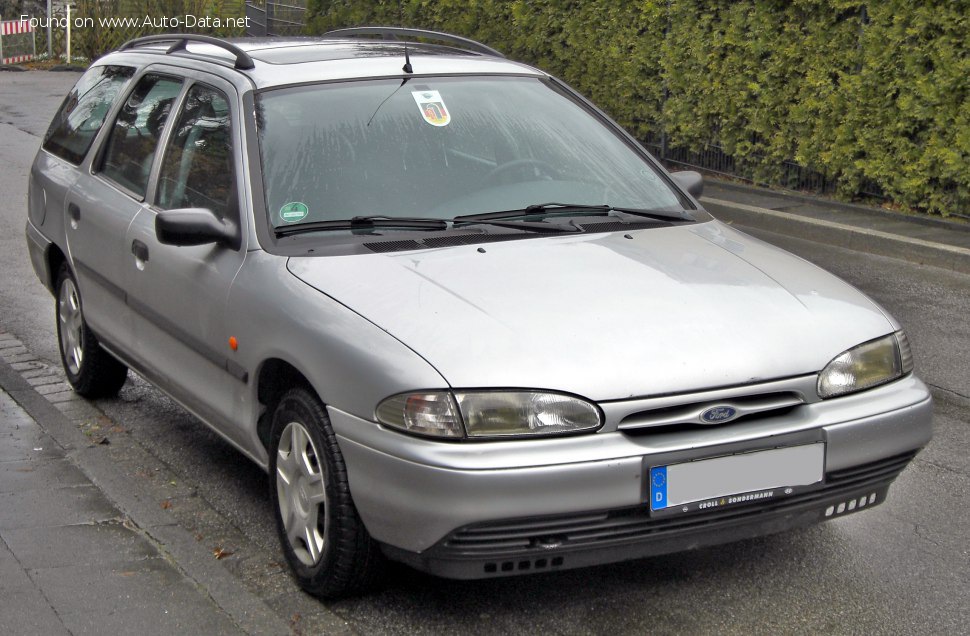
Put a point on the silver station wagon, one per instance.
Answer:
(463, 320)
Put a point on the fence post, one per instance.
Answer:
(50, 44)
(665, 95)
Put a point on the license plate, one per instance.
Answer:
(736, 479)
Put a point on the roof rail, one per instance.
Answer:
(392, 33)
(181, 40)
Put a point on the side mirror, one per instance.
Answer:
(194, 226)
(691, 181)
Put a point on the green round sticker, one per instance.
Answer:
(293, 212)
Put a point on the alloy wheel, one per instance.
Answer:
(301, 492)
(71, 326)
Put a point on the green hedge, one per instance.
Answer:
(862, 94)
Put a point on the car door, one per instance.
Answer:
(102, 202)
(178, 294)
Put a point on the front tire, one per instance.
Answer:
(322, 536)
(92, 371)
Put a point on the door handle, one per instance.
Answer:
(140, 250)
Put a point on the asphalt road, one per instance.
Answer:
(903, 567)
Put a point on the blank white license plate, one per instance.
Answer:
(733, 479)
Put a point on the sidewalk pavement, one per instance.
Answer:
(920, 239)
(82, 551)
(70, 561)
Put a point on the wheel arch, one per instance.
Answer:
(55, 258)
(274, 377)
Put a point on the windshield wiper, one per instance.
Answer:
(660, 214)
(566, 209)
(537, 227)
(364, 223)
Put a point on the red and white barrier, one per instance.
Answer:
(15, 27)
(16, 53)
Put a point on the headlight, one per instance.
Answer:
(867, 365)
(485, 414)
(433, 413)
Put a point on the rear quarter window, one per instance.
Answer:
(84, 110)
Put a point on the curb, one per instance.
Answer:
(52, 403)
(861, 239)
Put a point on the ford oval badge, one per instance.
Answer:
(718, 414)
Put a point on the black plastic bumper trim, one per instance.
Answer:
(523, 546)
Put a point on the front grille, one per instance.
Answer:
(690, 415)
(510, 539)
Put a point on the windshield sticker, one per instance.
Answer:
(293, 212)
(432, 107)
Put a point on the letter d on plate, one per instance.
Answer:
(658, 487)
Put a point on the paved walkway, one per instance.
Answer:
(82, 549)
(70, 563)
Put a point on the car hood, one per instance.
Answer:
(606, 316)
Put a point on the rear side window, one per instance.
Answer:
(197, 171)
(131, 144)
(83, 111)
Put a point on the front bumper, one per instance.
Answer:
(471, 510)
(571, 541)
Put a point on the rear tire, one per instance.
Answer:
(92, 371)
(322, 536)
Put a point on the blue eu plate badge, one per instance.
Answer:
(658, 487)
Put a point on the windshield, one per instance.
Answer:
(441, 148)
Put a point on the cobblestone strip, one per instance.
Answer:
(49, 380)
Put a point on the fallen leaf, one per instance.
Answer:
(166, 504)
(219, 553)
(199, 537)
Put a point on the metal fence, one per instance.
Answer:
(275, 18)
(786, 174)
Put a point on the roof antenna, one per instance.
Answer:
(407, 58)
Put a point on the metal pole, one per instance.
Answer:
(1, 40)
(68, 34)
(50, 17)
